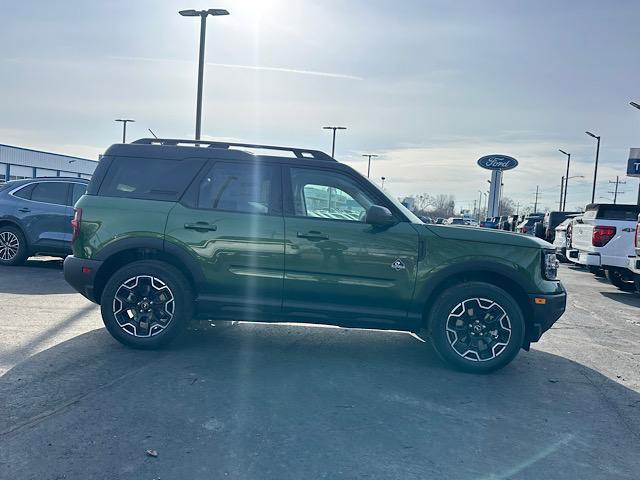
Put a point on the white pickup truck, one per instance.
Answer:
(634, 261)
(603, 238)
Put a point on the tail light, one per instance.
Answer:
(602, 235)
(75, 224)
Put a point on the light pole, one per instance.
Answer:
(479, 204)
(203, 28)
(636, 105)
(566, 179)
(383, 179)
(595, 170)
(124, 127)
(369, 165)
(562, 183)
(333, 143)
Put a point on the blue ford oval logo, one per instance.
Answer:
(498, 162)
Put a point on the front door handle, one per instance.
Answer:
(24, 210)
(313, 235)
(201, 226)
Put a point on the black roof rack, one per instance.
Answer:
(298, 152)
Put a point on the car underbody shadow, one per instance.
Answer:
(289, 401)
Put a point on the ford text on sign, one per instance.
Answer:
(498, 162)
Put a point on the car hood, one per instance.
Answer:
(485, 235)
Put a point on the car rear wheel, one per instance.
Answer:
(477, 327)
(621, 279)
(13, 246)
(146, 304)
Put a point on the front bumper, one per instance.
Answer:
(634, 264)
(80, 273)
(544, 315)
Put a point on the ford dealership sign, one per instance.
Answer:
(498, 162)
(633, 166)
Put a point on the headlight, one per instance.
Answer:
(550, 266)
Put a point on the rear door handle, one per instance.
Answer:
(313, 235)
(24, 210)
(201, 226)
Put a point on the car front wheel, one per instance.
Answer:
(477, 327)
(13, 246)
(146, 304)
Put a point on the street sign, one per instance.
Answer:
(497, 162)
(633, 166)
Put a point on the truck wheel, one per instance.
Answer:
(146, 304)
(13, 246)
(477, 327)
(620, 279)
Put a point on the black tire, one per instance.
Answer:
(465, 298)
(162, 320)
(9, 235)
(620, 279)
(597, 271)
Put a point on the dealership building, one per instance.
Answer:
(17, 163)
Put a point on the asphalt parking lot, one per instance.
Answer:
(289, 401)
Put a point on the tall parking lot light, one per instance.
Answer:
(566, 179)
(636, 105)
(595, 170)
(124, 127)
(369, 164)
(203, 28)
(333, 142)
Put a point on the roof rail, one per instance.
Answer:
(298, 152)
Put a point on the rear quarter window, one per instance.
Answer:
(613, 212)
(149, 178)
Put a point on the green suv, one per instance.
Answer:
(175, 230)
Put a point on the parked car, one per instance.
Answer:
(512, 222)
(455, 221)
(439, 221)
(552, 220)
(560, 239)
(603, 238)
(527, 226)
(492, 222)
(35, 215)
(634, 260)
(172, 230)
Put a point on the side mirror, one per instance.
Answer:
(377, 215)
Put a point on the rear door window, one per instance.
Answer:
(149, 178)
(50, 192)
(239, 187)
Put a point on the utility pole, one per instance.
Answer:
(366, 155)
(535, 205)
(561, 192)
(479, 205)
(383, 179)
(615, 192)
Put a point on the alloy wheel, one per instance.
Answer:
(9, 246)
(478, 329)
(143, 306)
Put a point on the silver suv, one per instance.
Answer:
(35, 217)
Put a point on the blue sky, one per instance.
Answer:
(429, 85)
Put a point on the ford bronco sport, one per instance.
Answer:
(174, 230)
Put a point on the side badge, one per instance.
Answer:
(397, 265)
